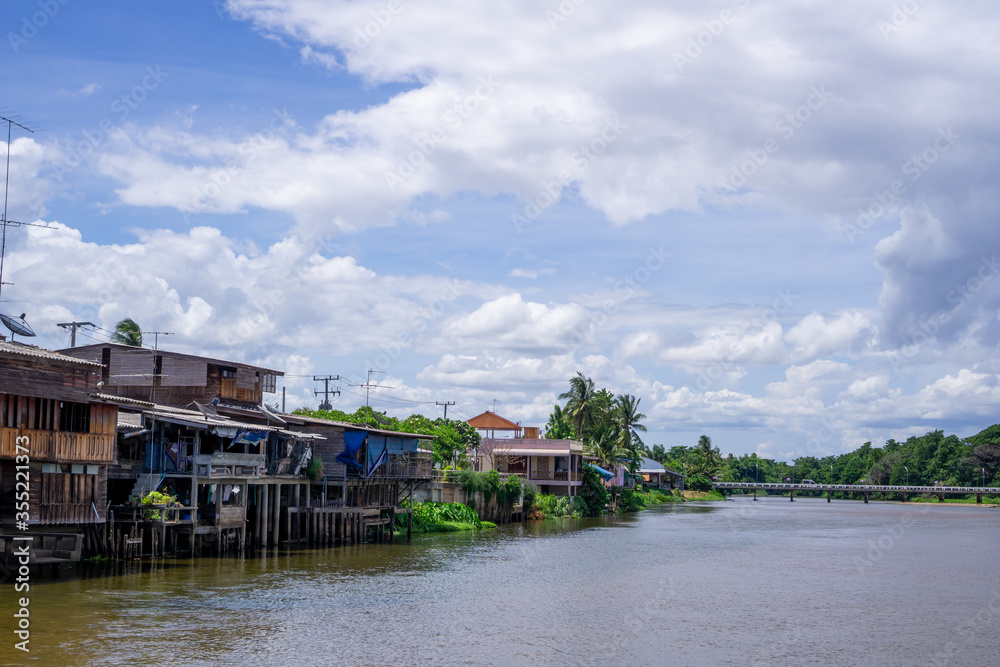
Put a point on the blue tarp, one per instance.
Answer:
(352, 443)
(249, 437)
(602, 472)
(377, 454)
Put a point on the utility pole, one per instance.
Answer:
(445, 404)
(325, 405)
(73, 326)
(495, 401)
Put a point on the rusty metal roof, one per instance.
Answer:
(39, 353)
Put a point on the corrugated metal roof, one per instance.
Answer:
(32, 351)
(111, 398)
(354, 427)
(197, 419)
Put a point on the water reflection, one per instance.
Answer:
(770, 582)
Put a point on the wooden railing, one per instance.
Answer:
(229, 464)
(56, 446)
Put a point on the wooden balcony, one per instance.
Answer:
(57, 446)
(229, 464)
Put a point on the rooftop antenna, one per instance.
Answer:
(6, 182)
(16, 326)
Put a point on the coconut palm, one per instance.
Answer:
(708, 457)
(127, 332)
(580, 402)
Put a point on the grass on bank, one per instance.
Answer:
(432, 517)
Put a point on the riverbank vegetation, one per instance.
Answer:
(933, 459)
(432, 517)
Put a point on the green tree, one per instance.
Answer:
(580, 402)
(629, 423)
(127, 332)
(708, 461)
(558, 426)
(593, 492)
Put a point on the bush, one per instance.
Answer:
(630, 501)
(699, 483)
(553, 507)
(593, 492)
(529, 494)
(441, 517)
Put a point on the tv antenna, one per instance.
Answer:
(16, 326)
(6, 185)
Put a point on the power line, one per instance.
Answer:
(73, 326)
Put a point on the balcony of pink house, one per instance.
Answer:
(554, 466)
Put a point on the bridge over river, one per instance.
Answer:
(865, 489)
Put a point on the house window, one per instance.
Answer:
(269, 382)
(74, 417)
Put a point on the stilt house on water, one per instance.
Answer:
(51, 406)
(240, 470)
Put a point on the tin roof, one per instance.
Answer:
(39, 353)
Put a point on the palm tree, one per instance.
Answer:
(709, 459)
(605, 445)
(580, 402)
(628, 418)
(127, 332)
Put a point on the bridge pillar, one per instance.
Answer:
(755, 493)
(866, 497)
(791, 495)
(829, 494)
(904, 496)
(979, 499)
(940, 497)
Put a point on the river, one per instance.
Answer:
(743, 582)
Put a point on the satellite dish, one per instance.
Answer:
(16, 326)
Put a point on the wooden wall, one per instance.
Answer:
(56, 498)
(40, 378)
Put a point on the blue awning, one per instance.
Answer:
(602, 472)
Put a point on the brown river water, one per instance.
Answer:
(742, 582)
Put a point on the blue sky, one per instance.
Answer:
(772, 222)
